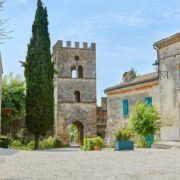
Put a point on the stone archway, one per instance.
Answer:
(80, 132)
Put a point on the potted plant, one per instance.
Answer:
(98, 143)
(145, 122)
(123, 141)
(7, 111)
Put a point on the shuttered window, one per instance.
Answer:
(148, 101)
(125, 107)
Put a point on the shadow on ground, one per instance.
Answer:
(70, 149)
(8, 152)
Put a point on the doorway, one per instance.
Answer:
(76, 134)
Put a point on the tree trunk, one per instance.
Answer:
(36, 141)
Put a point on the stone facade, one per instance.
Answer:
(163, 87)
(102, 118)
(75, 89)
(168, 52)
(1, 72)
(133, 91)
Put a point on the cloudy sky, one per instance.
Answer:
(124, 31)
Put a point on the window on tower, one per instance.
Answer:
(80, 72)
(73, 72)
(77, 96)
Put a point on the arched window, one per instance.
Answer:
(80, 71)
(77, 96)
(73, 72)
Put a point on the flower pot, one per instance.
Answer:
(124, 145)
(149, 141)
(7, 111)
(97, 148)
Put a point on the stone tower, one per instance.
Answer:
(75, 89)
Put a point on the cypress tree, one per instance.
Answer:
(39, 73)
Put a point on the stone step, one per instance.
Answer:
(167, 145)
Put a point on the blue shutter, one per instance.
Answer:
(148, 101)
(125, 107)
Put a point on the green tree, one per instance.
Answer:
(39, 73)
(13, 97)
(145, 120)
(3, 32)
(133, 73)
(130, 75)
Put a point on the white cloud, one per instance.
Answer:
(21, 1)
(86, 28)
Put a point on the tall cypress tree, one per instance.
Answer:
(39, 73)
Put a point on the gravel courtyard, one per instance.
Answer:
(67, 164)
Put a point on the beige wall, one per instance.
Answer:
(115, 118)
(1, 72)
(169, 58)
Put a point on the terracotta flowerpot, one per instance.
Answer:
(7, 111)
(97, 148)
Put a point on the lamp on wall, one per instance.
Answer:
(161, 73)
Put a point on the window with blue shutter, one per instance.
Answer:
(125, 107)
(148, 101)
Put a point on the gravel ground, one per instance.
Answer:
(67, 164)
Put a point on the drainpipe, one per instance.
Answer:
(157, 50)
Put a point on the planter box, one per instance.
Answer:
(124, 145)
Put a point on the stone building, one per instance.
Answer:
(121, 100)
(1, 72)
(168, 53)
(102, 118)
(161, 88)
(75, 89)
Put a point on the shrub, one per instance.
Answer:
(30, 145)
(16, 144)
(99, 142)
(123, 134)
(4, 142)
(89, 143)
(145, 121)
(51, 142)
(20, 135)
(13, 98)
(139, 141)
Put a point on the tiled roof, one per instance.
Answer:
(138, 80)
(167, 41)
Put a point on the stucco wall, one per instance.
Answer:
(115, 118)
(169, 58)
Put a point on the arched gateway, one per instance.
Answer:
(75, 96)
(76, 133)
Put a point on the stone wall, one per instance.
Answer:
(169, 58)
(1, 72)
(67, 109)
(102, 117)
(114, 105)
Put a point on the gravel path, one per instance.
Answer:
(67, 164)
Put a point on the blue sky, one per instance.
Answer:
(124, 31)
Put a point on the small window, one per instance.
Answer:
(125, 107)
(76, 58)
(77, 96)
(80, 72)
(148, 101)
(73, 72)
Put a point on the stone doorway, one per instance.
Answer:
(76, 134)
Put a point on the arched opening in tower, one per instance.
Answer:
(76, 134)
